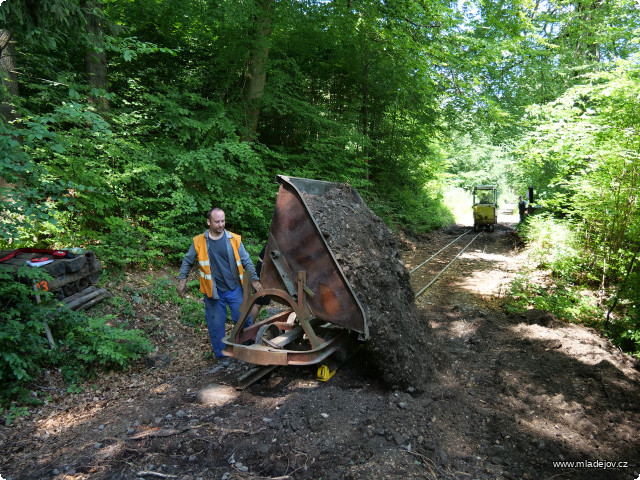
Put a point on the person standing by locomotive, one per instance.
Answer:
(522, 208)
(222, 260)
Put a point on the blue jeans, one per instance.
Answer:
(215, 312)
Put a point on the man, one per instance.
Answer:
(222, 260)
(522, 208)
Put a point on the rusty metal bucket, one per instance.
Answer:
(301, 272)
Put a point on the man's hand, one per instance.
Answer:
(182, 287)
(257, 286)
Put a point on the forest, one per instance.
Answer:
(125, 121)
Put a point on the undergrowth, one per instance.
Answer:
(560, 298)
(80, 346)
(554, 247)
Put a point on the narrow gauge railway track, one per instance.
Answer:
(428, 271)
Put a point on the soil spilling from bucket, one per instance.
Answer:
(367, 252)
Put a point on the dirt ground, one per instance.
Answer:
(511, 397)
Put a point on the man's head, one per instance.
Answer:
(520, 198)
(215, 220)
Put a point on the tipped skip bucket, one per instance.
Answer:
(301, 272)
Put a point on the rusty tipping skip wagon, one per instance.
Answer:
(301, 272)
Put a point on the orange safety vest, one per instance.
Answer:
(200, 244)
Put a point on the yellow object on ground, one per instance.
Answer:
(324, 373)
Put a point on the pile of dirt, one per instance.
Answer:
(368, 254)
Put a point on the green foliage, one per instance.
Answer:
(192, 309)
(554, 244)
(561, 298)
(582, 155)
(458, 202)
(14, 412)
(585, 144)
(474, 160)
(571, 302)
(362, 102)
(162, 289)
(29, 193)
(355, 91)
(123, 308)
(74, 388)
(22, 331)
(123, 243)
(626, 335)
(87, 343)
(192, 312)
(522, 53)
(419, 211)
(84, 344)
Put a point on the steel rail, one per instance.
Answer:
(433, 256)
(253, 375)
(448, 265)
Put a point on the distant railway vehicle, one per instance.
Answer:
(485, 207)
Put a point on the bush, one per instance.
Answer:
(84, 345)
(562, 299)
(554, 244)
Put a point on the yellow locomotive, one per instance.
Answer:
(485, 207)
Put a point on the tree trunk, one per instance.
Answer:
(257, 69)
(9, 79)
(586, 44)
(9, 75)
(95, 59)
